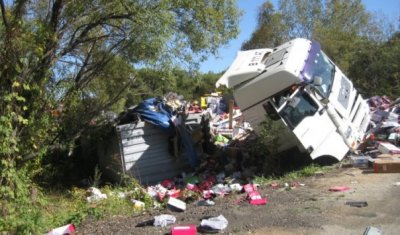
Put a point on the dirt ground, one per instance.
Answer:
(308, 209)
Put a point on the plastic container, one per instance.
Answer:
(359, 161)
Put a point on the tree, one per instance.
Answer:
(300, 16)
(270, 30)
(61, 60)
(375, 69)
(342, 27)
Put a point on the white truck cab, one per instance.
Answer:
(299, 85)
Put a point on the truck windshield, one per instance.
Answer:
(322, 67)
(297, 108)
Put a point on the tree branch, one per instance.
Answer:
(55, 13)
(85, 29)
(85, 63)
(19, 9)
(3, 13)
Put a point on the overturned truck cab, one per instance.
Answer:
(297, 84)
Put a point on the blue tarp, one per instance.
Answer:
(154, 111)
(187, 143)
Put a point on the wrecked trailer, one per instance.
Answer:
(151, 143)
(298, 85)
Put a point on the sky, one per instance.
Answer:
(227, 53)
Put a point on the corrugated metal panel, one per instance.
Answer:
(144, 153)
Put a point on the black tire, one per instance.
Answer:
(325, 161)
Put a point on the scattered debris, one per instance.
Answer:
(214, 223)
(359, 161)
(236, 187)
(389, 148)
(145, 223)
(339, 189)
(163, 220)
(206, 203)
(184, 230)
(176, 204)
(95, 195)
(63, 230)
(274, 185)
(221, 189)
(253, 195)
(217, 124)
(372, 231)
(138, 205)
(387, 165)
(357, 203)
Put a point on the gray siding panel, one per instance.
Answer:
(144, 153)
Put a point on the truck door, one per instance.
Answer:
(308, 121)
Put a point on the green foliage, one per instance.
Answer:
(96, 180)
(22, 213)
(344, 29)
(301, 16)
(306, 171)
(65, 64)
(151, 83)
(270, 31)
(265, 147)
(58, 208)
(375, 69)
(303, 172)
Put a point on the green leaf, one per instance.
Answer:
(26, 87)
(23, 120)
(16, 84)
(20, 98)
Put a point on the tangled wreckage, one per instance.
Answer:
(294, 84)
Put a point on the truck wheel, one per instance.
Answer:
(325, 161)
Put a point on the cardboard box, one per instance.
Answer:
(385, 155)
(387, 165)
(388, 148)
(176, 203)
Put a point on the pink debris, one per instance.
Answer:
(248, 188)
(184, 230)
(253, 195)
(175, 193)
(339, 189)
(256, 199)
(207, 194)
(193, 187)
